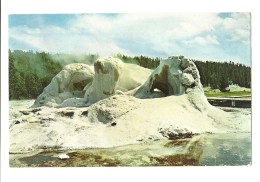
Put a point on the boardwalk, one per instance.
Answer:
(241, 102)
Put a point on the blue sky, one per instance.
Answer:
(204, 36)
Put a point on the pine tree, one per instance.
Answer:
(223, 84)
(12, 76)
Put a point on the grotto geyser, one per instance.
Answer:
(115, 103)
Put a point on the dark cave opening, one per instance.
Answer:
(160, 87)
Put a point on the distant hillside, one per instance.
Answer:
(30, 72)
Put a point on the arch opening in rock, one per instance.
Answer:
(160, 83)
(160, 87)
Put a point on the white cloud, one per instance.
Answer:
(207, 40)
(89, 32)
(134, 34)
(28, 36)
(56, 39)
(147, 26)
(238, 26)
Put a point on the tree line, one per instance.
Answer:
(144, 61)
(219, 75)
(30, 72)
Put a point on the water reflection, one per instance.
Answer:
(227, 149)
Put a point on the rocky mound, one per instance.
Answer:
(113, 77)
(122, 104)
(69, 83)
(174, 76)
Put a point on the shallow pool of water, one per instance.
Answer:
(232, 149)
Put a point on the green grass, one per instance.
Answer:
(227, 94)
